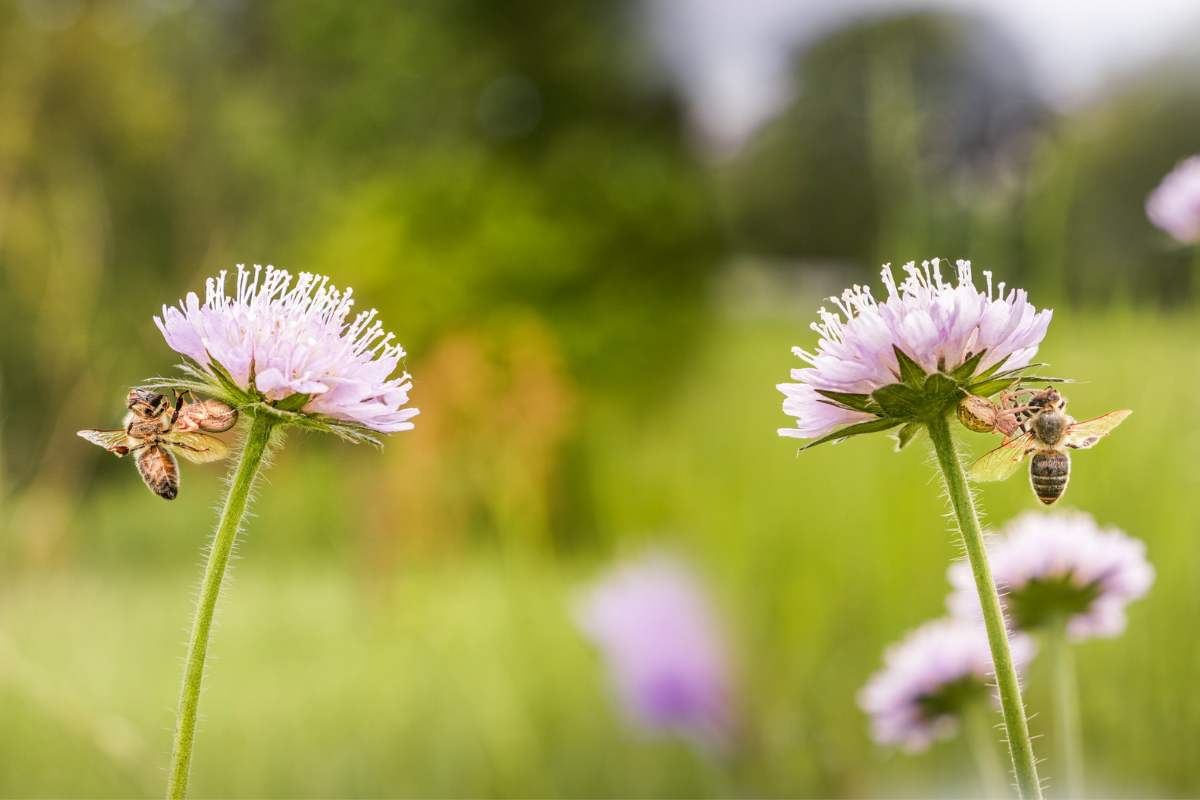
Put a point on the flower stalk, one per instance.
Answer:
(250, 463)
(981, 741)
(1015, 723)
(1066, 713)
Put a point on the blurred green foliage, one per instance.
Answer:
(514, 186)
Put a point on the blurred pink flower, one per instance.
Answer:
(928, 679)
(1174, 206)
(664, 648)
(936, 323)
(1058, 565)
(294, 336)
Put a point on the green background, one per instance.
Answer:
(597, 313)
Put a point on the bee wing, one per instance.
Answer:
(1001, 463)
(115, 442)
(1083, 435)
(196, 447)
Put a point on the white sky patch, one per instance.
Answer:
(731, 56)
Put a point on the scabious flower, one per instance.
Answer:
(288, 341)
(929, 679)
(664, 648)
(1174, 206)
(1060, 567)
(925, 325)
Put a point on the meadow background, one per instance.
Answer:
(598, 295)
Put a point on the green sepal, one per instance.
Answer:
(293, 402)
(967, 369)
(857, 429)
(898, 400)
(906, 434)
(854, 402)
(910, 371)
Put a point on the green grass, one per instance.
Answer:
(463, 675)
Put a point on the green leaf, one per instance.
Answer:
(940, 391)
(990, 387)
(906, 434)
(856, 402)
(965, 370)
(293, 402)
(870, 426)
(899, 401)
(910, 371)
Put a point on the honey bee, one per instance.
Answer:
(983, 416)
(156, 431)
(1048, 432)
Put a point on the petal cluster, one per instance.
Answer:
(936, 322)
(1105, 568)
(941, 656)
(280, 335)
(663, 646)
(1174, 206)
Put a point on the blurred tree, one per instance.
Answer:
(459, 163)
(895, 123)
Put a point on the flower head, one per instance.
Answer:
(1174, 205)
(1060, 566)
(663, 646)
(930, 337)
(929, 679)
(288, 342)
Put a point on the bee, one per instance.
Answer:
(1048, 433)
(156, 431)
(983, 416)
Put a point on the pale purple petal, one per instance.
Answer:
(1175, 205)
(296, 336)
(937, 323)
(930, 658)
(664, 648)
(1065, 546)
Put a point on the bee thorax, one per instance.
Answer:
(1050, 426)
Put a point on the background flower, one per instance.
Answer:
(938, 324)
(283, 336)
(928, 679)
(664, 648)
(1057, 565)
(1174, 205)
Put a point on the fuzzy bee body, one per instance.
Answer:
(1046, 433)
(156, 432)
(1049, 472)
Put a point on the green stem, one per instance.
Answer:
(1019, 745)
(981, 741)
(1066, 714)
(253, 451)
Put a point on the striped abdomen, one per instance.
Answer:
(1049, 472)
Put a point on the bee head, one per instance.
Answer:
(145, 403)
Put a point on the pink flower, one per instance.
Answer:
(928, 679)
(280, 336)
(665, 650)
(936, 323)
(1174, 206)
(1062, 565)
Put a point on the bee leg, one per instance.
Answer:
(175, 412)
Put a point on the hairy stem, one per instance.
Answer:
(1066, 712)
(1019, 746)
(253, 451)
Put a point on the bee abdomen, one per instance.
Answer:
(1048, 474)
